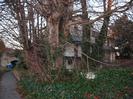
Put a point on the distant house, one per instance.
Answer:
(7, 56)
(73, 51)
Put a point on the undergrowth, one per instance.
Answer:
(108, 84)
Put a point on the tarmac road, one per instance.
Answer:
(8, 87)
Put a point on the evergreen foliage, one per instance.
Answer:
(108, 84)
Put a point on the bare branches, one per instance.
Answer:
(116, 9)
(37, 23)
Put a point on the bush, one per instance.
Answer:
(108, 84)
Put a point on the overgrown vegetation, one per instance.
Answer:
(108, 84)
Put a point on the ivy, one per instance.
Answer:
(107, 85)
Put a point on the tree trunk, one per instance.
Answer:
(36, 66)
(53, 28)
(86, 28)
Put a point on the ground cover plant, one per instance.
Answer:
(116, 83)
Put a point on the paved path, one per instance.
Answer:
(8, 87)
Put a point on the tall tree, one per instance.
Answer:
(86, 28)
(57, 14)
(23, 13)
(86, 32)
(107, 4)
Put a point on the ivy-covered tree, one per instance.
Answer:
(107, 5)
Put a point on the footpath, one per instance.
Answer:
(8, 86)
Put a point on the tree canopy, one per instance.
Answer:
(39, 25)
(123, 28)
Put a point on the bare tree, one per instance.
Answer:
(41, 21)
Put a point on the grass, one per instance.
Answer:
(108, 84)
